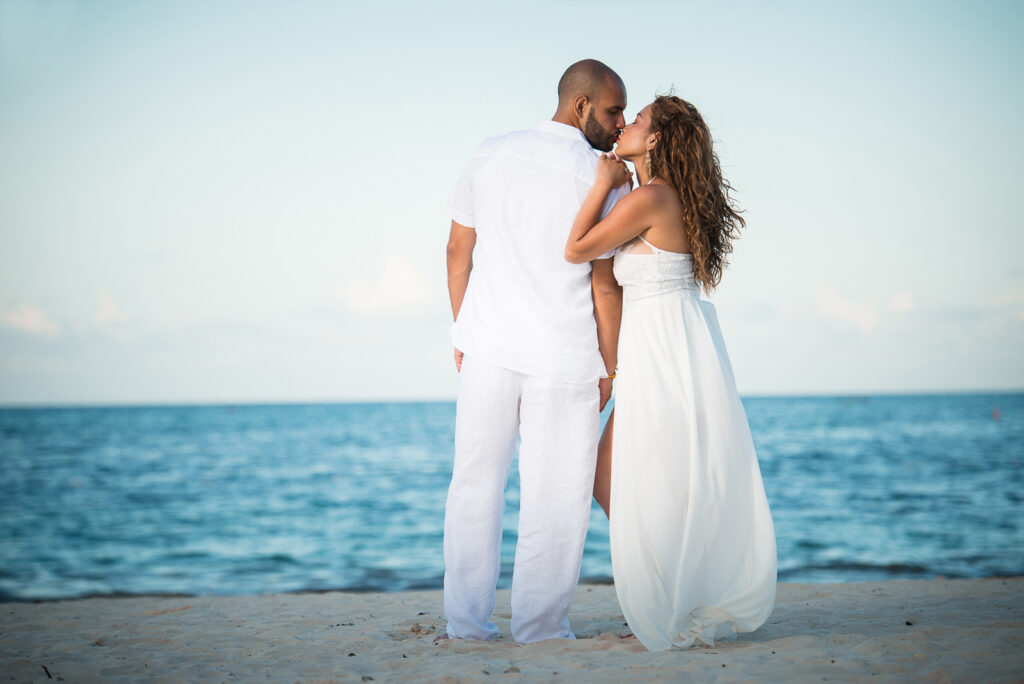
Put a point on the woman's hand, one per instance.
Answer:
(612, 171)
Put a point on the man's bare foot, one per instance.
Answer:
(627, 636)
(441, 637)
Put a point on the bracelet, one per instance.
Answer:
(611, 376)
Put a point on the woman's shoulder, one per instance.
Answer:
(652, 196)
(663, 197)
(660, 190)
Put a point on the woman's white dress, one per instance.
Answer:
(691, 534)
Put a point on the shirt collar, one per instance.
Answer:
(564, 130)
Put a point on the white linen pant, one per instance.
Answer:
(558, 426)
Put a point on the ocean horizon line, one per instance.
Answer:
(269, 403)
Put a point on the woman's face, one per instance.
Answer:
(636, 136)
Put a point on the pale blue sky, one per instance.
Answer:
(246, 201)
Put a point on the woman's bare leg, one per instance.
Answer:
(603, 473)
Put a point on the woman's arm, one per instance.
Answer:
(591, 237)
(630, 217)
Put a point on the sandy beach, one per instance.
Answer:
(937, 630)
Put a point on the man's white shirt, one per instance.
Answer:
(526, 308)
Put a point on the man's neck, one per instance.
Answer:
(566, 118)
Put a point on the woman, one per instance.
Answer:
(692, 539)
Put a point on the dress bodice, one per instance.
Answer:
(653, 274)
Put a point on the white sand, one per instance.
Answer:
(960, 630)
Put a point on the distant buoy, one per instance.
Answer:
(996, 414)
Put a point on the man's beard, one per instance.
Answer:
(598, 138)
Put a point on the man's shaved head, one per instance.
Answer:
(586, 77)
(592, 97)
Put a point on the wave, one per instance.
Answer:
(845, 567)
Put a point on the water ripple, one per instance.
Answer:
(253, 499)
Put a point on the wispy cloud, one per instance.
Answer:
(862, 315)
(399, 289)
(31, 320)
(109, 311)
(902, 302)
(1013, 302)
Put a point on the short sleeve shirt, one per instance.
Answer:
(526, 308)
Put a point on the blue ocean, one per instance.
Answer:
(256, 499)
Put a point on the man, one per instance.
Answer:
(526, 335)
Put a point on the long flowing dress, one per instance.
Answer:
(691, 534)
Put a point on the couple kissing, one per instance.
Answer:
(564, 280)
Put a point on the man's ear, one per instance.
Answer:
(579, 104)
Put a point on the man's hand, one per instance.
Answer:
(604, 386)
(458, 366)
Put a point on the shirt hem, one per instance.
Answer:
(521, 371)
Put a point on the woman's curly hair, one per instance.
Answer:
(685, 158)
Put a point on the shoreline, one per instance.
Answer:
(593, 581)
(937, 629)
(172, 594)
